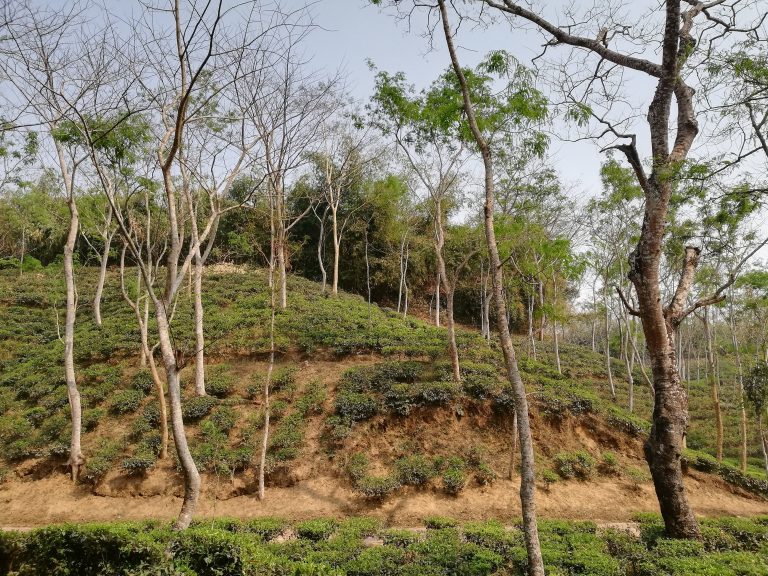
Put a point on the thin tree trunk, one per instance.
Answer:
(199, 331)
(763, 441)
(453, 350)
(513, 449)
(320, 245)
(336, 251)
(437, 301)
(402, 275)
(103, 269)
(713, 387)
(189, 469)
(405, 281)
(531, 338)
(76, 459)
(740, 376)
(528, 469)
(608, 369)
(267, 383)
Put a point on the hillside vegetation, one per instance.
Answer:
(360, 397)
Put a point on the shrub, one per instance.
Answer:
(102, 459)
(484, 474)
(439, 522)
(91, 418)
(284, 379)
(401, 398)
(609, 464)
(454, 476)
(313, 398)
(126, 401)
(357, 466)
(414, 470)
(399, 538)
(218, 382)
(143, 381)
(492, 535)
(355, 406)
(224, 417)
(438, 393)
(197, 407)
(377, 487)
(549, 477)
(317, 529)
(265, 529)
(574, 465)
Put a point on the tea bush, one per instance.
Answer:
(578, 464)
(414, 470)
(197, 407)
(126, 401)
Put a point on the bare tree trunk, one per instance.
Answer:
(405, 281)
(513, 449)
(103, 269)
(267, 383)
(199, 332)
(453, 350)
(76, 459)
(320, 245)
(740, 376)
(189, 469)
(437, 301)
(713, 386)
(531, 339)
(608, 369)
(336, 251)
(557, 346)
(528, 469)
(763, 441)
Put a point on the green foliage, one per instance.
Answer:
(414, 470)
(399, 538)
(218, 382)
(377, 487)
(731, 474)
(126, 401)
(439, 522)
(609, 464)
(103, 458)
(197, 407)
(578, 464)
(355, 406)
(143, 381)
(317, 529)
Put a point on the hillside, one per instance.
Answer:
(365, 419)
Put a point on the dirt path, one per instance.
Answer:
(55, 499)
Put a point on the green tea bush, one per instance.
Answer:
(218, 381)
(91, 418)
(197, 407)
(493, 536)
(312, 400)
(101, 460)
(609, 464)
(377, 487)
(578, 464)
(399, 538)
(224, 417)
(143, 381)
(548, 477)
(317, 529)
(414, 470)
(284, 379)
(484, 474)
(355, 406)
(440, 522)
(126, 401)
(357, 466)
(438, 393)
(265, 529)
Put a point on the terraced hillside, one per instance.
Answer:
(365, 417)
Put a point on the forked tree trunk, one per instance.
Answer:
(76, 459)
(528, 471)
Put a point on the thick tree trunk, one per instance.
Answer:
(76, 459)
(528, 469)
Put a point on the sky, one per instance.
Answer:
(353, 32)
